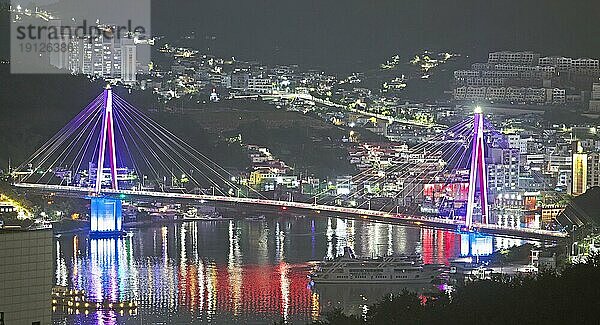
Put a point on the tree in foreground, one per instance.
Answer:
(571, 297)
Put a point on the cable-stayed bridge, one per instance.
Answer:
(112, 149)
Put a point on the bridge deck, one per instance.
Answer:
(374, 214)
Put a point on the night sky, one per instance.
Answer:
(347, 34)
(352, 35)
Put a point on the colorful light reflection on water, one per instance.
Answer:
(236, 271)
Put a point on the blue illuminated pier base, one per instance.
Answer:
(105, 216)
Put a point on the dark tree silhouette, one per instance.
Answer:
(569, 297)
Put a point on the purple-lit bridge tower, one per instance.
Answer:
(106, 212)
(477, 175)
(107, 137)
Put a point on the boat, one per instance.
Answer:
(165, 217)
(213, 216)
(351, 269)
(256, 218)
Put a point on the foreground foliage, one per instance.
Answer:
(571, 297)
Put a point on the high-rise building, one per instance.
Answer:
(503, 169)
(108, 58)
(128, 61)
(595, 98)
(593, 170)
(578, 170)
(59, 57)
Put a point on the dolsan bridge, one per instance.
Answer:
(112, 152)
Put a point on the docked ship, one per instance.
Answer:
(256, 218)
(193, 214)
(349, 268)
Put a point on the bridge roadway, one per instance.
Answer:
(374, 215)
(332, 104)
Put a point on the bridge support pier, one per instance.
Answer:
(106, 218)
(475, 245)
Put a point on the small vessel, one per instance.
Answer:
(256, 218)
(349, 268)
(213, 216)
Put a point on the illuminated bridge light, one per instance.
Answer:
(105, 216)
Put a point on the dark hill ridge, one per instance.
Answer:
(584, 210)
(34, 107)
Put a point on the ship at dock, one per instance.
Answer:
(351, 269)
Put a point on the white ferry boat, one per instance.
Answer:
(256, 218)
(193, 215)
(389, 269)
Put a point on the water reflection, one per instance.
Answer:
(236, 271)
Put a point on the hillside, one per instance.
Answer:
(34, 108)
(306, 143)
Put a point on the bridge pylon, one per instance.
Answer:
(478, 173)
(107, 138)
(105, 212)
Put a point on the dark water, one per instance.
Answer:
(238, 271)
